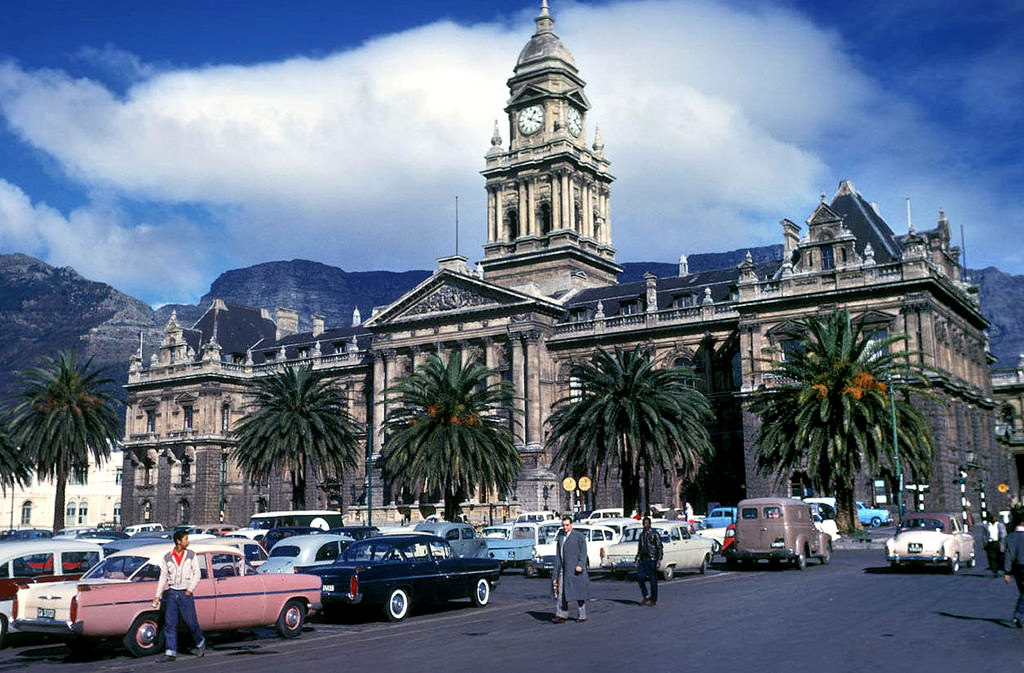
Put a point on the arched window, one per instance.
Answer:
(575, 389)
(184, 511)
(69, 514)
(544, 217)
(512, 223)
(83, 513)
(26, 513)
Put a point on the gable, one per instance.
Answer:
(452, 294)
(823, 215)
(528, 93)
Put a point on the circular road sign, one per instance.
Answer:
(569, 484)
(584, 483)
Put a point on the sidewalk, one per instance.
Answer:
(875, 539)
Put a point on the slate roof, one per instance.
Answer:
(867, 225)
(238, 328)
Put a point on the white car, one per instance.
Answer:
(681, 550)
(931, 538)
(607, 513)
(597, 537)
(304, 550)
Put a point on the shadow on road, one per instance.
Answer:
(1000, 622)
(541, 616)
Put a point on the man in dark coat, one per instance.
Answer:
(649, 552)
(1013, 565)
(570, 579)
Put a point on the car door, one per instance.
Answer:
(239, 599)
(423, 572)
(451, 579)
(690, 550)
(473, 546)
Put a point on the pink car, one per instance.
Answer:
(115, 599)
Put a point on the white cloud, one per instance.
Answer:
(714, 119)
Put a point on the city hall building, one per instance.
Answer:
(545, 295)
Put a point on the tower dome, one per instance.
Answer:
(544, 46)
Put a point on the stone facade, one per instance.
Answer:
(545, 295)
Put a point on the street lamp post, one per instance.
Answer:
(896, 447)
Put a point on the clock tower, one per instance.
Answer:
(548, 216)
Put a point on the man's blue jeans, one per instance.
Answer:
(178, 603)
(647, 570)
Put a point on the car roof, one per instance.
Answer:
(304, 540)
(779, 502)
(17, 547)
(400, 537)
(158, 550)
(930, 515)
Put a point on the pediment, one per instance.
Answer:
(528, 93)
(873, 318)
(823, 215)
(579, 98)
(786, 328)
(455, 295)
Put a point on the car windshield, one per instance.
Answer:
(523, 533)
(116, 568)
(496, 532)
(284, 550)
(373, 549)
(633, 534)
(548, 532)
(921, 523)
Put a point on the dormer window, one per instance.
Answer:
(270, 356)
(579, 315)
(828, 258)
(734, 293)
(303, 353)
(683, 300)
(630, 308)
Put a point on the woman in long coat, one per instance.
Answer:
(570, 577)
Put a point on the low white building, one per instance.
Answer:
(91, 499)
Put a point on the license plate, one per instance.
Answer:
(45, 613)
(328, 587)
(778, 545)
(914, 547)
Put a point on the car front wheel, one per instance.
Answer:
(667, 573)
(801, 560)
(954, 565)
(876, 522)
(826, 554)
(704, 565)
(397, 605)
(291, 619)
(145, 636)
(481, 595)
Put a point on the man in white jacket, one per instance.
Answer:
(179, 574)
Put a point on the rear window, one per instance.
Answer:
(522, 533)
(749, 513)
(773, 512)
(116, 568)
(33, 565)
(284, 551)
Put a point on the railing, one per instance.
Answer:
(1007, 376)
(683, 313)
(889, 270)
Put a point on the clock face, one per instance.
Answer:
(531, 119)
(575, 121)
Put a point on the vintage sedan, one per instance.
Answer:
(40, 560)
(462, 537)
(597, 537)
(395, 571)
(115, 599)
(930, 538)
(681, 550)
(503, 546)
(305, 550)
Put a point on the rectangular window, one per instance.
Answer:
(828, 258)
(187, 413)
(630, 309)
(119, 475)
(790, 347)
(79, 476)
(225, 418)
(749, 513)
(150, 420)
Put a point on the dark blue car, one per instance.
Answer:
(396, 571)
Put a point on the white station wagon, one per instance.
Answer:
(931, 538)
(681, 550)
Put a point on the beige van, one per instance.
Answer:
(777, 529)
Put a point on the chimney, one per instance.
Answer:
(684, 266)
(287, 322)
(790, 239)
(651, 287)
(318, 324)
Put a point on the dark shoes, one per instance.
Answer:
(168, 658)
(200, 650)
(558, 620)
(1017, 624)
(645, 601)
(652, 603)
(581, 620)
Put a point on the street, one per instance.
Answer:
(851, 616)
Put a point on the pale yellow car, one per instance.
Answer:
(681, 550)
(931, 538)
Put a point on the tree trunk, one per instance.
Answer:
(59, 498)
(846, 510)
(299, 485)
(451, 503)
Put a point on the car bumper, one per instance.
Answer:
(773, 555)
(337, 597)
(918, 559)
(620, 565)
(52, 627)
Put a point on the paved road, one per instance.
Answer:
(851, 616)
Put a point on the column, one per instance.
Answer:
(566, 221)
(492, 216)
(531, 204)
(533, 425)
(607, 211)
(519, 382)
(499, 219)
(556, 203)
(588, 210)
(379, 385)
(522, 208)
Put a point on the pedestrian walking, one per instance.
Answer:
(571, 581)
(648, 554)
(995, 543)
(1013, 566)
(179, 575)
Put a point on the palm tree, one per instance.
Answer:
(830, 412)
(298, 422)
(14, 470)
(66, 413)
(631, 415)
(443, 433)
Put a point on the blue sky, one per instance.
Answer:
(153, 147)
